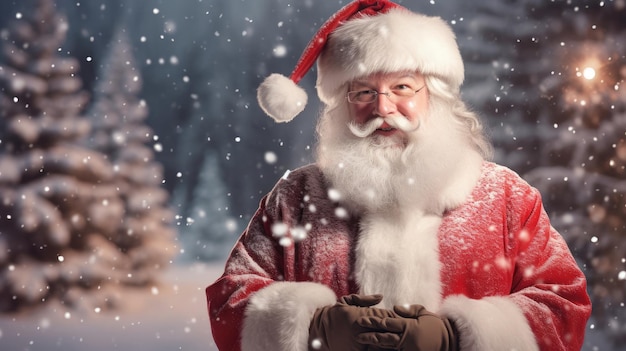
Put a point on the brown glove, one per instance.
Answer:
(334, 328)
(414, 329)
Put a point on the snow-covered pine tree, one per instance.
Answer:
(583, 171)
(146, 235)
(502, 68)
(57, 199)
(209, 231)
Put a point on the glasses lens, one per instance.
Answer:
(363, 96)
(403, 92)
(368, 96)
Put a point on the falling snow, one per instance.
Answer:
(554, 102)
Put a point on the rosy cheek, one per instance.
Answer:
(411, 104)
(356, 114)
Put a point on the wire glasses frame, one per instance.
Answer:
(370, 95)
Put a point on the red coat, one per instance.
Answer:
(493, 264)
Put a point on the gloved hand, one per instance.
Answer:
(334, 327)
(414, 329)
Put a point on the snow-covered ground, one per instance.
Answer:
(172, 317)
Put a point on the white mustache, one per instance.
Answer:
(395, 121)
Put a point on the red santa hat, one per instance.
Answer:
(364, 37)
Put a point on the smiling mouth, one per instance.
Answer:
(385, 127)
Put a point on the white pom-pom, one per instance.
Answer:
(281, 98)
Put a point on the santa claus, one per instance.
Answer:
(402, 235)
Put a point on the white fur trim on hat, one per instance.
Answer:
(278, 316)
(396, 41)
(281, 98)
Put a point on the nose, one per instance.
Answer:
(383, 105)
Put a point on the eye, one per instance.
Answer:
(365, 95)
(368, 92)
(401, 87)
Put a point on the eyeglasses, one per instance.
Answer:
(370, 95)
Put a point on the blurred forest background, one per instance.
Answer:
(131, 140)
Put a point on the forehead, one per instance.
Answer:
(385, 77)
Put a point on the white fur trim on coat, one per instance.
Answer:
(491, 323)
(278, 316)
(397, 256)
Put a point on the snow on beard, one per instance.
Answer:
(378, 173)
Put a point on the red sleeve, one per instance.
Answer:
(548, 285)
(253, 264)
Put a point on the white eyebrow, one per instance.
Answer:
(367, 83)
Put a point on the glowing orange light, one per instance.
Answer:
(589, 73)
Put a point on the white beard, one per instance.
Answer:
(399, 187)
(380, 174)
